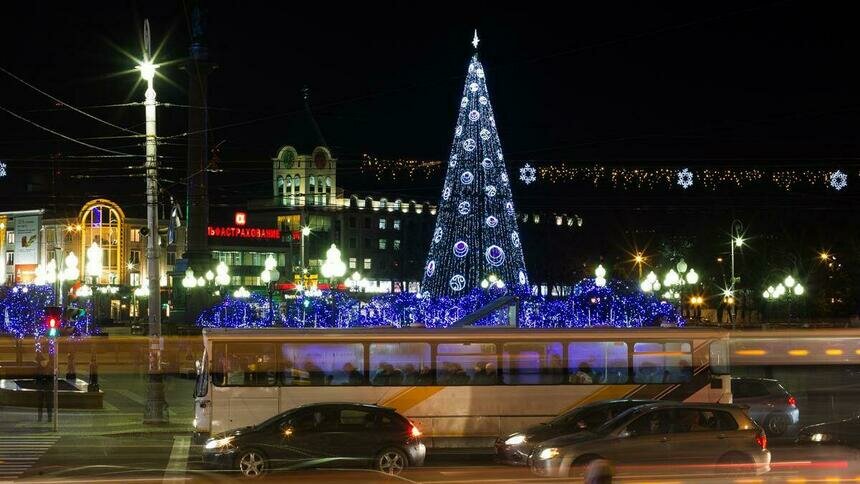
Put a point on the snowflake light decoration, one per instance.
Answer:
(2, 169)
(528, 174)
(685, 178)
(838, 180)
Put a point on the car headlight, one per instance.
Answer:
(548, 453)
(516, 439)
(218, 443)
(818, 437)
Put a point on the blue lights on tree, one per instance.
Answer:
(476, 228)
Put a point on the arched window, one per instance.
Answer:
(397, 205)
(368, 203)
(279, 188)
(328, 190)
(103, 222)
(383, 204)
(312, 188)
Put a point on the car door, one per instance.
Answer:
(755, 395)
(301, 439)
(700, 436)
(357, 437)
(644, 442)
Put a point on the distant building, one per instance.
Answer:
(31, 238)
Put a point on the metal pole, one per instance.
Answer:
(56, 396)
(154, 412)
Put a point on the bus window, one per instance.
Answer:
(658, 362)
(400, 364)
(322, 364)
(245, 364)
(532, 364)
(466, 364)
(597, 362)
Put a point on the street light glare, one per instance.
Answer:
(306, 230)
(147, 70)
(739, 241)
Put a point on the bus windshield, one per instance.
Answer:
(201, 387)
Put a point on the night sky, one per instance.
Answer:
(729, 83)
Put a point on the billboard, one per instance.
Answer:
(25, 273)
(26, 240)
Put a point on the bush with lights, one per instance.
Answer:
(22, 308)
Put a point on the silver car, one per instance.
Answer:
(769, 403)
(662, 437)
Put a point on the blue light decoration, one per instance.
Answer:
(475, 216)
(617, 304)
(231, 312)
(22, 308)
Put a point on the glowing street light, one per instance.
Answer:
(333, 267)
(692, 277)
(600, 276)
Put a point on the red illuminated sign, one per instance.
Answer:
(244, 233)
(240, 218)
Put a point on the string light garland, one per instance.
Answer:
(468, 244)
(633, 178)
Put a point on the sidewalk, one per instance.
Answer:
(79, 423)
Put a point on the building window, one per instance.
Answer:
(383, 243)
(10, 258)
(352, 242)
(352, 263)
(382, 223)
(366, 222)
(366, 243)
(366, 264)
(396, 224)
(352, 222)
(134, 278)
(135, 235)
(396, 244)
(10, 237)
(134, 257)
(171, 258)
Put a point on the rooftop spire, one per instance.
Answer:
(475, 39)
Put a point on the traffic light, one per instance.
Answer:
(53, 321)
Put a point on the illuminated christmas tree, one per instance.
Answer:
(476, 228)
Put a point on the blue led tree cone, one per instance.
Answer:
(476, 228)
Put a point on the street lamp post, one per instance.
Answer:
(737, 241)
(306, 231)
(154, 412)
(270, 276)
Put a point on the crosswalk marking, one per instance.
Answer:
(178, 457)
(18, 454)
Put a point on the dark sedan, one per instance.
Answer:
(320, 435)
(515, 448)
(843, 432)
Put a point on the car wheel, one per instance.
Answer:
(391, 461)
(776, 425)
(735, 463)
(252, 463)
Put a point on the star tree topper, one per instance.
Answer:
(475, 39)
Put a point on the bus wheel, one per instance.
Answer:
(252, 463)
(391, 461)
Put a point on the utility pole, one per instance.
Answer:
(154, 412)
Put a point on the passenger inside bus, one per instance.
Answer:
(353, 376)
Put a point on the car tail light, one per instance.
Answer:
(761, 440)
(415, 433)
(792, 402)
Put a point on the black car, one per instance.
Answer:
(320, 435)
(516, 448)
(843, 433)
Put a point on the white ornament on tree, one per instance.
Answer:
(473, 87)
(485, 134)
(469, 145)
(464, 102)
(482, 100)
(474, 115)
(464, 208)
(467, 178)
(2, 169)
(490, 190)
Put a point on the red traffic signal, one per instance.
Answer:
(53, 320)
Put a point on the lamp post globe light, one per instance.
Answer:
(333, 267)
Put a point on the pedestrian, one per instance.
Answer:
(43, 387)
(71, 376)
(94, 375)
(598, 472)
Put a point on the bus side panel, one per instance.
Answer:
(242, 406)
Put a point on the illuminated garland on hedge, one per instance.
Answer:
(617, 304)
(628, 178)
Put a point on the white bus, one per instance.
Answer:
(462, 387)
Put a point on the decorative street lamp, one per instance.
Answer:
(270, 276)
(600, 276)
(189, 281)
(333, 267)
(650, 284)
